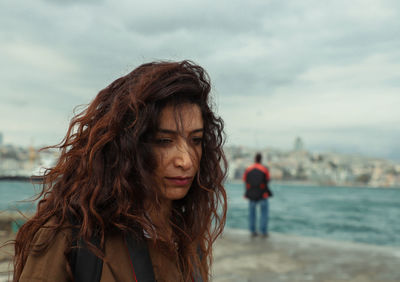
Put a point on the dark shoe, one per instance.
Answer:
(254, 234)
(265, 235)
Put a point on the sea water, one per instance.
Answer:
(367, 215)
(17, 195)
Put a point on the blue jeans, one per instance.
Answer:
(263, 218)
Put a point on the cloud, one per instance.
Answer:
(279, 68)
(38, 57)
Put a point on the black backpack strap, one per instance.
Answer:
(85, 265)
(88, 266)
(142, 267)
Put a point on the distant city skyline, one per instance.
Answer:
(297, 144)
(327, 71)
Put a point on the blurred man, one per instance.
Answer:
(256, 178)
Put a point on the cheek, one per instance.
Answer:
(162, 161)
(198, 158)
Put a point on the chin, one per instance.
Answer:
(176, 193)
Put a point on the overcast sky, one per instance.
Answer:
(327, 71)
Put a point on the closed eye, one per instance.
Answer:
(163, 141)
(197, 140)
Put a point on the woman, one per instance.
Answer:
(143, 162)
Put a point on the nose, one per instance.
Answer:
(183, 157)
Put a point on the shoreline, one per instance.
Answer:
(243, 233)
(15, 178)
(19, 178)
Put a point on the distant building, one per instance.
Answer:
(298, 144)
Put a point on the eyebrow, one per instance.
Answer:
(168, 131)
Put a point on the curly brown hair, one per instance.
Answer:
(105, 171)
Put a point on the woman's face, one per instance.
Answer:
(178, 149)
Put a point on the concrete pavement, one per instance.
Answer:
(278, 258)
(287, 258)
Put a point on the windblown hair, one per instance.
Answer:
(105, 172)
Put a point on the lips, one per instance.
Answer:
(179, 180)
